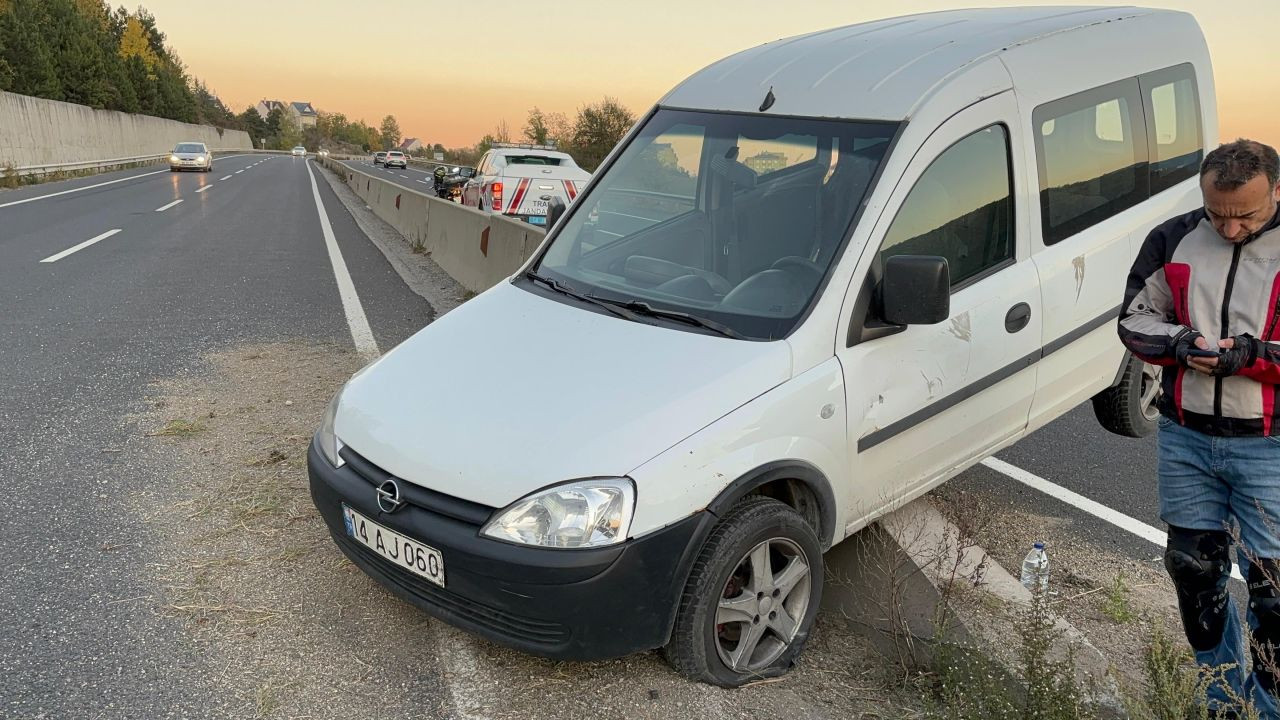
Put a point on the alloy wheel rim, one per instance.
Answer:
(764, 601)
(1150, 391)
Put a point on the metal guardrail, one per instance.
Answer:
(113, 162)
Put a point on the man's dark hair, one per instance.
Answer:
(1236, 163)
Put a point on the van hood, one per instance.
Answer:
(513, 392)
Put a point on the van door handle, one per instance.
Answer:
(1017, 317)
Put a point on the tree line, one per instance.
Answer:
(83, 52)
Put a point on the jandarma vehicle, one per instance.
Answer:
(816, 280)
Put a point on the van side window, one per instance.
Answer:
(1091, 149)
(961, 208)
(1173, 119)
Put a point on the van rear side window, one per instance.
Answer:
(1174, 125)
(1092, 155)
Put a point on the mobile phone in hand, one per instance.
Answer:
(1197, 352)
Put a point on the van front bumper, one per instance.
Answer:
(588, 604)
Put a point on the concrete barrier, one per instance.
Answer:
(477, 249)
(36, 133)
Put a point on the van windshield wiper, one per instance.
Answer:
(643, 308)
(559, 287)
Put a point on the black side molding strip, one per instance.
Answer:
(873, 439)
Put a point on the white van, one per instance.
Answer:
(818, 279)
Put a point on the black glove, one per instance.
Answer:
(1243, 352)
(1183, 343)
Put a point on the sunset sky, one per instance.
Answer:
(451, 71)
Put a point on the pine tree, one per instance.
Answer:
(24, 49)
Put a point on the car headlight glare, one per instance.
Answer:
(329, 442)
(173, 158)
(579, 514)
(199, 158)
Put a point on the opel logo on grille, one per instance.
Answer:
(389, 497)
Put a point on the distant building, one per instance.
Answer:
(410, 145)
(264, 107)
(302, 113)
(766, 162)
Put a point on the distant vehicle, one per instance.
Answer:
(379, 156)
(300, 151)
(395, 158)
(190, 156)
(520, 180)
(323, 153)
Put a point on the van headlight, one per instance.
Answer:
(578, 514)
(329, 442)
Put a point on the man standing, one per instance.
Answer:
(1203, 300)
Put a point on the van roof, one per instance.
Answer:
(884, 69)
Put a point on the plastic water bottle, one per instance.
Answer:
(1035, 569)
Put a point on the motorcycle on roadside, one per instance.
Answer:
(448, 183)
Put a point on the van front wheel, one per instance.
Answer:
(1130, 408)
(751, 598)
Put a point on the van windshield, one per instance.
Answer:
(732, 218)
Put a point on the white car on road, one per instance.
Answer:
(190, 156)
(395, 158)
(300, 151)
(520, 180)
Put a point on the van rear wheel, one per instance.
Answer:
(1130, 408)
(751, 599)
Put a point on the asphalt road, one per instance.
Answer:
(241, 258)
(199, 262)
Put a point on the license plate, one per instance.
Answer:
(537, 220)
(409, 554)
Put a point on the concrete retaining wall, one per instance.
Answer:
(477, 249)
(38, 132)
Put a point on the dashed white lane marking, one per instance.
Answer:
(81, 246)
(238, 172)
(361, 333)
(1080, 502)
(162, 208)
(202, 189)
(404, 176)
(225, 177)
(246, 167)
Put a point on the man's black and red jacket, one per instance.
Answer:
(1188, 279)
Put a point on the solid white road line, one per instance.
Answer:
(96, 185)
(87, 187)
(202, 189)
(1080, 502)
(162, 208)
(361, 333)
(81, 246)
(227, 177)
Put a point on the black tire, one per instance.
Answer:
(1129, 409)
(700, 646)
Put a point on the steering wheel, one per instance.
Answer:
(797, 265)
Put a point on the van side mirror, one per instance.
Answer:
(555, 208)
(916, 290)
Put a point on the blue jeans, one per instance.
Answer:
(1232, 484)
